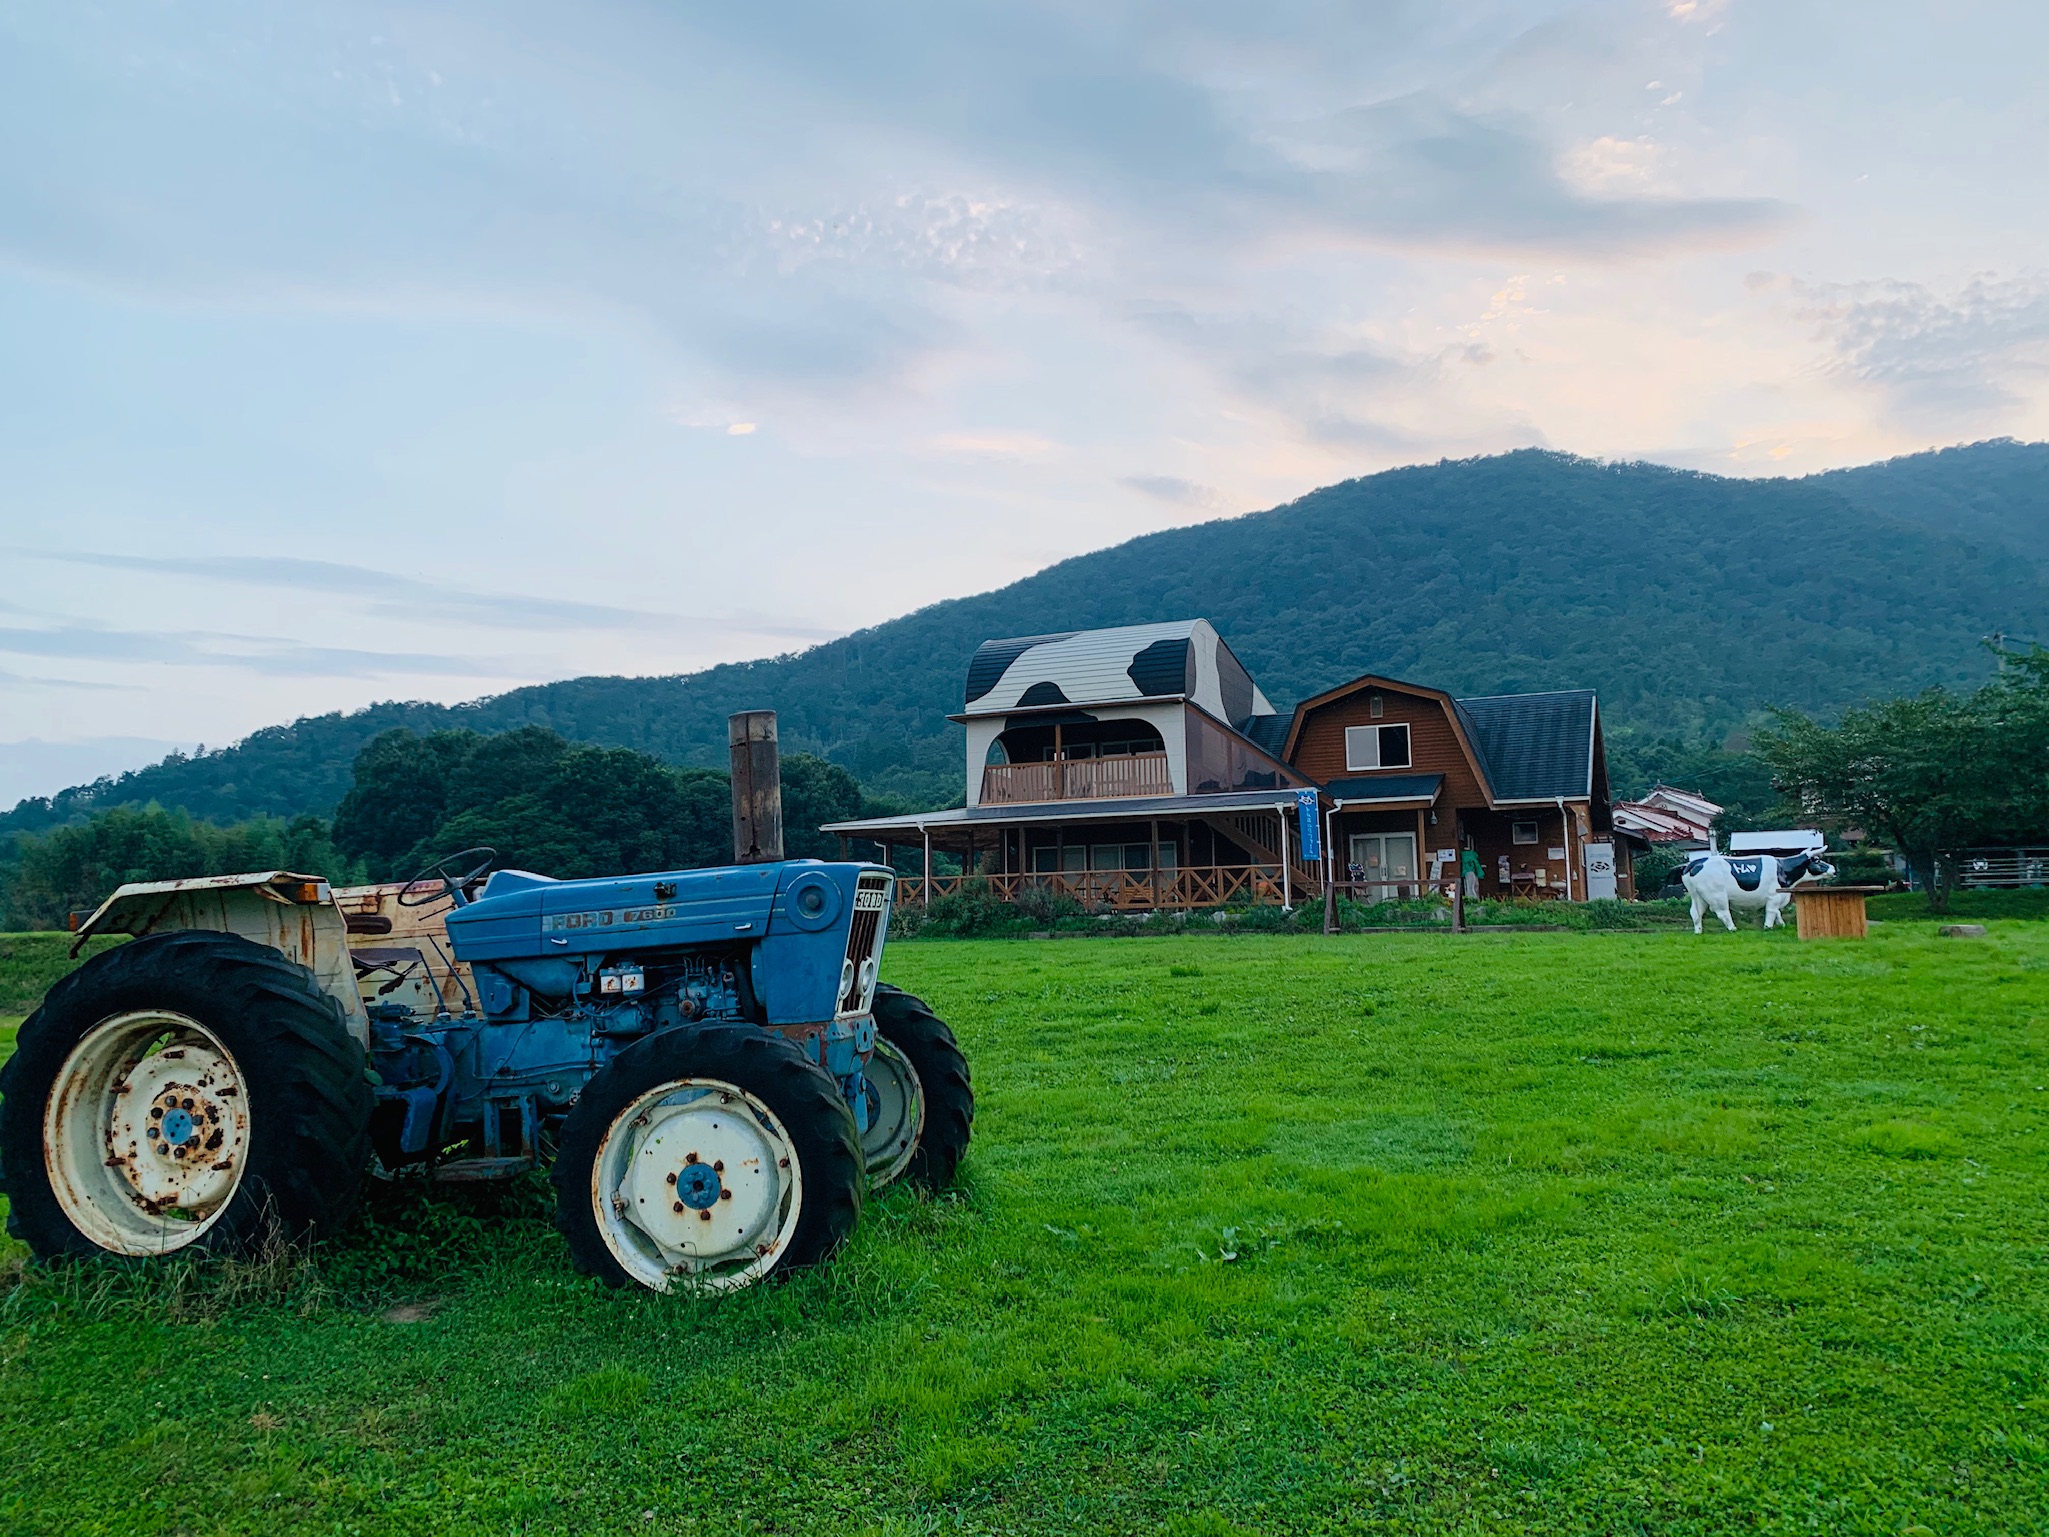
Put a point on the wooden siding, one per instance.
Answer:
(1433, 744)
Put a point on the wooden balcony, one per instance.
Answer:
(1077, 779)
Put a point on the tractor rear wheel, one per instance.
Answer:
(186, 1090)
(714, 1155)
(921, 1108)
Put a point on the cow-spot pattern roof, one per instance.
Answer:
(1183, 658)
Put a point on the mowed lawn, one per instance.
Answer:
(1403, 1233)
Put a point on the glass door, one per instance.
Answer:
(1384, 857)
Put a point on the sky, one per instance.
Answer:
(357, 351)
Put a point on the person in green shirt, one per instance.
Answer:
(1469, 871)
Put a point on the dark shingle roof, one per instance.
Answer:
(1534, 746)
(1386, 787)
(1268, 732)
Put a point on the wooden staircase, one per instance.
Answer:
(1256, 831)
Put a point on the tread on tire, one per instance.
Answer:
(309, 1098)
(769, 1067)
(907, 1023)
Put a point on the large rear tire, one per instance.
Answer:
(710, 1155)
(187, 1090)
(944, 1118)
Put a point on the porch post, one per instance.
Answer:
(1565, 838)
(1330, 879)
(1287, 868)
(1154, 878)
(1422, 833)
(928, 863)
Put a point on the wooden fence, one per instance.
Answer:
(1119, 890)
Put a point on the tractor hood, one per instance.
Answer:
(802, 919)
(521, 916)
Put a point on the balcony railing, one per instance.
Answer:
(1077, 779)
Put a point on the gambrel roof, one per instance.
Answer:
(1180, 659)
(1523, 747)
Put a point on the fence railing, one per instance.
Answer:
(1117, 778)
(2002, 867)
(1120, 890)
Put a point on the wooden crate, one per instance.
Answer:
(1831, 912)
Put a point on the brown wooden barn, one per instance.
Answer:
(1413, 778)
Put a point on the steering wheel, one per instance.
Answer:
(443, 882)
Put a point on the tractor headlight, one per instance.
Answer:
(868, 976)
(846, 976)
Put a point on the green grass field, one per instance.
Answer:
(1403, 1233)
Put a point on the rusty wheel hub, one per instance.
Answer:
(146, 1132)
(697, 1179)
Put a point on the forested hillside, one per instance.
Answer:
(1689, 601)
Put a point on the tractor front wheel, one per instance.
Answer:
(713, 1155)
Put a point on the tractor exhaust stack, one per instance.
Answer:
(757, 787)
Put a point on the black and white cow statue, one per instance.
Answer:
(1717, 882)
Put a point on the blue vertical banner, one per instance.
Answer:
(1308, 825)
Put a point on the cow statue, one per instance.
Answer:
(1717, 882)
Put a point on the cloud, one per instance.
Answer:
(1421, 173)
(1953, 357)
(1171, 488)
(23, 680)
(400, 597)
(282, 659)
(994, 444)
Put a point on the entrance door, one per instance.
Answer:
(1385, 857)
(1600, 870)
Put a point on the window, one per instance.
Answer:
(1522, 832)
(1376, 747)
(1375, 706)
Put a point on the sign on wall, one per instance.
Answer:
(1306, 825)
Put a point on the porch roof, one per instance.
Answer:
(1390, 791)
(911, 827)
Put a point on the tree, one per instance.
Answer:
(77, 867)
(2015, 709)
(399, 796)
(1934, 773)
(815, 792)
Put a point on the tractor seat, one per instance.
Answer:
(395, 962)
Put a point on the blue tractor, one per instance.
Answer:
(706, 1059)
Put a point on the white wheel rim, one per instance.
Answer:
(697, 1180)
(896, 1114)
(146, 1132)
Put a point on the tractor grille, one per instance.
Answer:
(864, 943)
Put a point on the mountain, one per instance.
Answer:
(1689, 601)
(1992, 494)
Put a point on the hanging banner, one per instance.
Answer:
(1308, 826)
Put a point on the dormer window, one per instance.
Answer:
(1376, 747)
